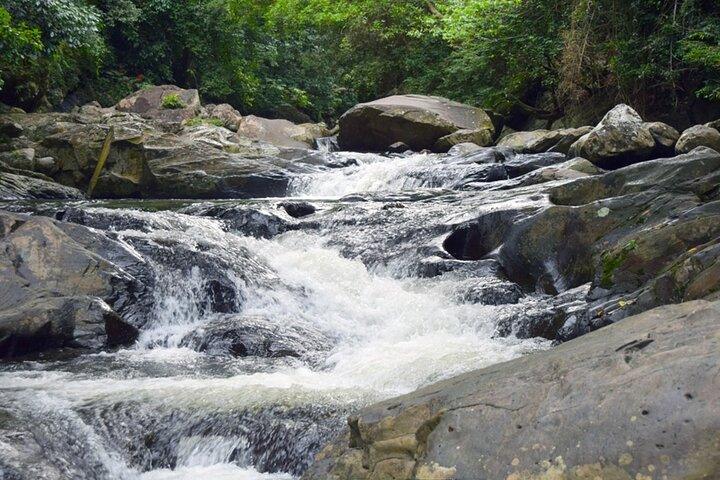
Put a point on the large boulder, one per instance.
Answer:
(419, 121)
(54, 289)
(698, 136)
(167, 103)
(636, 400)
(281, 133)
(620, 139)
(539, 141)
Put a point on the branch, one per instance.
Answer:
(433, 9)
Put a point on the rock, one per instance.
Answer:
(642, 236)
(665, 138)
(242, 219)
(298, 209)
(281, 133)
(544, 317)
(23, 159)
(620, 139)
(252, 336)
(714, 124)
(22, 187)
(10, 128)
(698, 136)
(571, 169)
(478, 137)
(525, 163)
(539, 141)
(464, 149)
(398, 147)
(416, 120)
(167, 103)
(46, 165)
(526, 418)
(54, 289)
(492, 291)
(230, 118)
(147, 161)
(46, 323)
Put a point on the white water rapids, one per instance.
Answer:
(386, 335)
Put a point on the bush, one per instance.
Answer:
(172, 101)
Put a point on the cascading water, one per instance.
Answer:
(255, 349)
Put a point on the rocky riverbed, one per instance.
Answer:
(243, 301)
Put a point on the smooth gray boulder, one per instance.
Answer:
(634, 401)
(417, 120)
(698, 136)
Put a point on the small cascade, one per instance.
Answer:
(328, 144)
(255, 344)
(376, 173)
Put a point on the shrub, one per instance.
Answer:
(172, 101)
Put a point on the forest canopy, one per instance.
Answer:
(315, 58)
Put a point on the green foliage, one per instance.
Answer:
(312, 59)
(198, 121)
(172, 101)
(66, 43)
(19, 44)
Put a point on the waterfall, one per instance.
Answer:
(253, 350)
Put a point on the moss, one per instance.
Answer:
(172, 101)
(197, 121)
(611, 262)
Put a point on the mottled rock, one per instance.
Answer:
(539, 141)
(620, 139)
(230, 118)
(698, 136)
(464, 149)
(398, 147)
(416, 120)
(571, 169)
(167, 103)
(481, 137)
(252, 336)
(23, 158)
(565, 413)
(665, 138)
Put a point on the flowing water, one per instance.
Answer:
(336, 311)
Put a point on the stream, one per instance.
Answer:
(265, 332)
